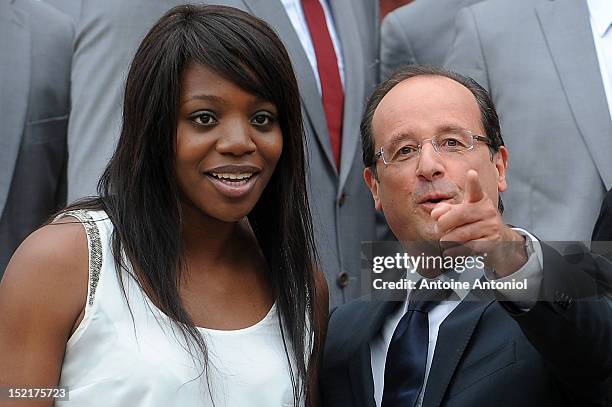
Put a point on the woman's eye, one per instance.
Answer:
(203, 119)
(262, 119)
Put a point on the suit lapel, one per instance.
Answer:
(274, 14)
(14, 89)
(454, 335)
(565, 24)
(354, 82)
(360, 374)
(360, 366)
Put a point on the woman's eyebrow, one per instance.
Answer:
(204, 97)
(219, 99)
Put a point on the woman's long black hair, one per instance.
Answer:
(139, 191)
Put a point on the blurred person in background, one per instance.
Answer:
(603, 226)
(418, 33)
(548, 68)
(601, 240)
(35, 53)
(192, 279)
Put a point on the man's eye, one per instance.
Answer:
(406, 150)
(204, 119)
(452, 143)
(262, 119)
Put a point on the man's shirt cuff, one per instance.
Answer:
(532, 273)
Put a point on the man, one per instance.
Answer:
(546, 64)
(435, 164)
(418, 33)
(35, 51)
(346, 31)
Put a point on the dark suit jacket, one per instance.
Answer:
(35, 55)
(557, 354)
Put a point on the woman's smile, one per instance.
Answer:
(233, 181)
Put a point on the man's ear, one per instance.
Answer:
(372, 183)
(500, 159)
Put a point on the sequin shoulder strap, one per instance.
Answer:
(94, 247)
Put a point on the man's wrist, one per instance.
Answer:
(512, 254)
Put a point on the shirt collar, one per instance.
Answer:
(601, 15)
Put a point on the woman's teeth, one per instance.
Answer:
(232, 176)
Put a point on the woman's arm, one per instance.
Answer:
(42, 296)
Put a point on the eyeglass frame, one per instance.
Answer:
(475, 137)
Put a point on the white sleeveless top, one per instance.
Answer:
(112, 360)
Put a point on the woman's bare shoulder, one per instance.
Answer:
(42, 294)
(54, 250)
(47, 275)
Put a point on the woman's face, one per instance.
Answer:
(228, 142)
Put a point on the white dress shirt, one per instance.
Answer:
(296, 15)
(532, 271)
(601, 19)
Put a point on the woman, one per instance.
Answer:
(193, 281)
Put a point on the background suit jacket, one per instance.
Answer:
(538, 61)
(35, 52)
(603, 226)
(557, 354)
(418, 33)
(108, 34)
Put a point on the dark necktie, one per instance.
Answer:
(407, 354)
(329, 75)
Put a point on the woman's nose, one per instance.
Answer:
(236, 138)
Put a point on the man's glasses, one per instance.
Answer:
(451, 143)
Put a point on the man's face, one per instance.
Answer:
(418, 109)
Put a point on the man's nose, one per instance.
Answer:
(236, 138)
(430, 164)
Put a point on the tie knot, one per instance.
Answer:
(425, 299)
